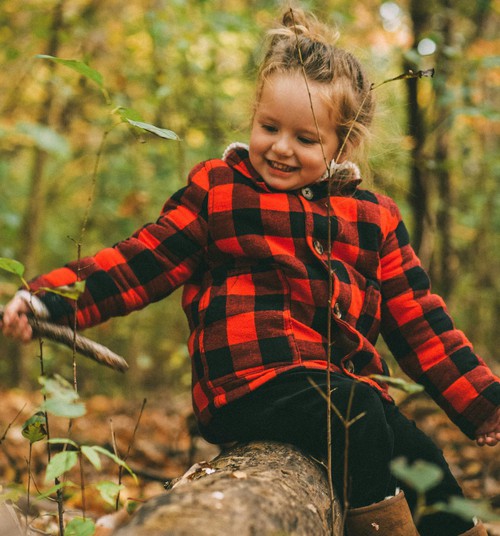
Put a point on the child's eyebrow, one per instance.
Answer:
(265, 117)
(308, 132)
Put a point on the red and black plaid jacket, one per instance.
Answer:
(254, 267)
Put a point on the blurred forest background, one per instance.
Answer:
(189, 66)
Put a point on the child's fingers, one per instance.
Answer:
(15, 322)
(489, 432)
(489, 440)
(491, 425)
(14, 308)
(18, 329)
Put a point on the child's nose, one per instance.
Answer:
(282, 146)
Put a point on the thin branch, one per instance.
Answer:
(130, 445)
(330, 284)
(2, 439)
(328, 401)
(346, 448)
(113, 438)
(82, 485)
(83, 229)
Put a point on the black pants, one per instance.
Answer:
(290, 409)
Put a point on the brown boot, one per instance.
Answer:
(478, 530)
(391, 517)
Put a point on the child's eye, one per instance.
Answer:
(269, 128)
(307, 141)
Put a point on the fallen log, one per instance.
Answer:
(260, 488)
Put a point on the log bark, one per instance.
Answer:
(260, 488)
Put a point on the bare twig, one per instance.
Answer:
(130, 445)
(10, 424)
(347, 422)
(330, 282)
(82, 485)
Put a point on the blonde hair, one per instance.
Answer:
(302, 44)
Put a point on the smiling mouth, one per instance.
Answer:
(281, 167)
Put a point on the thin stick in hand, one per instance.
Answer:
(82, 345)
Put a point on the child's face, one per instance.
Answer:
(284, 142)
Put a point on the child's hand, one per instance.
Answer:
(489, 432)
(15, 322)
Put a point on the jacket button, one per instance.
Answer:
(318, 247)
(349, 366)
(307, 193)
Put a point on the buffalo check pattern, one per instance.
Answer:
(256, 276)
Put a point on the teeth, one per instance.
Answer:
(281, 167)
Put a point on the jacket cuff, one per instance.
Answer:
(59, 309)
(35, 303)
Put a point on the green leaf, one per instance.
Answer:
(131, 506)
(127, 113)
(79, 67)
(47, 493)
(161, 132)
(34, 429)
(62, 400)
(61, 463)
(62, 408)
(421, 476)
(109, 491)
(58, 386)
(72, 292)
(12, 266)
(79, 526)
(45, 138)
(398, 383)
(63, 441)
(117, 460)
(91, 454)
(467, 509)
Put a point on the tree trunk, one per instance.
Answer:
(33, 215)
(262, 488)
(420, 192)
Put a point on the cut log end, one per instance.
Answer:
(263, 488)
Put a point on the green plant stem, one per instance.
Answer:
(120, 467)
(29, 486)
(59, 493)
(82, 485)
(419, 508)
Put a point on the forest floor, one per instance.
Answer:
(162, 445)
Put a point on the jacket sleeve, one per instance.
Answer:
(421, 335)
(144, 268)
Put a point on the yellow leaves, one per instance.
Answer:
(140, 44)
(483, 47)
(195, 138)
(233, 87)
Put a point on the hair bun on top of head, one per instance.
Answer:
(307, 25)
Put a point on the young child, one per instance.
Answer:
(248, 237)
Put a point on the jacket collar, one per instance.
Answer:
(236, 156)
